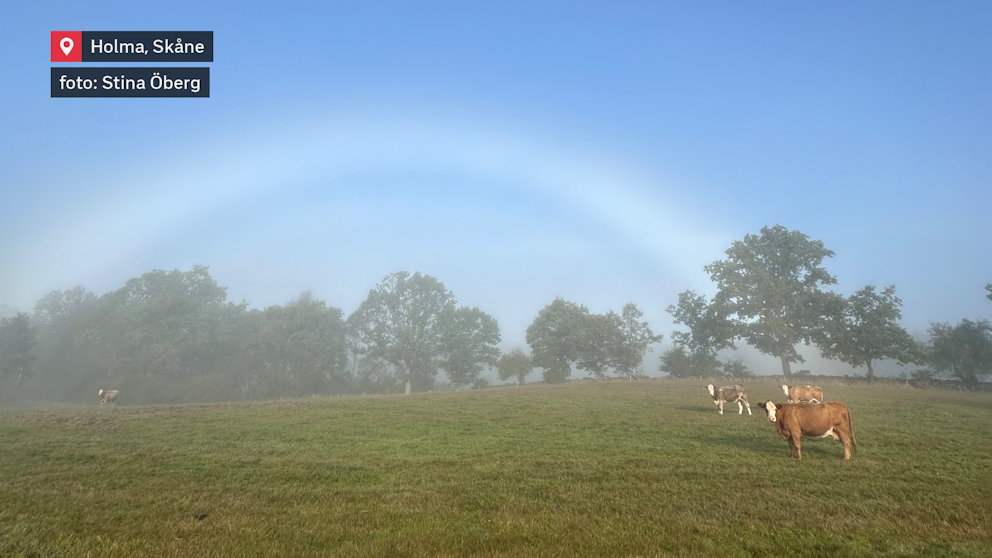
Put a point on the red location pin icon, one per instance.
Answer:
(67, 46)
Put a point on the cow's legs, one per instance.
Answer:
(721, 407)
(748, 407)
(740, 408)
(844, 439)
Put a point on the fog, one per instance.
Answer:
(518, 162)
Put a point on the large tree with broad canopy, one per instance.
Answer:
(769, 286)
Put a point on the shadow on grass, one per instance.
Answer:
(772, 444)
(766, 446)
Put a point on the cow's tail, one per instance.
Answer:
(850, 424)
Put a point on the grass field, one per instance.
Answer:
(588, 469)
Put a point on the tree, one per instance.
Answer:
(964, 350)
(868, 331)
(298, 349)
(770, 285)
(56, 309)
(678, 363)
(514, 364)
(709, 331)
(630, 341)
(555, 338)
(70, 345)
(469, 344)
(989, 289)
(6, 310)
(169, 319)
(735, 368)
(17, 342)
(375, 375)
(598, 335)
(402, 321)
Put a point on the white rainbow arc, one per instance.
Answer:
(283, 157)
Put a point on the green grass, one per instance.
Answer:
(601, 469)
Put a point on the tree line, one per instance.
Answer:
(770, 295)
(172, 336)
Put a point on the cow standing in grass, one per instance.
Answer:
(800, 394)
(109, 397)
(793, 421)
(731, 394)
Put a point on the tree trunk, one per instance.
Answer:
(409, 378)
(786, 368)
(871, 373)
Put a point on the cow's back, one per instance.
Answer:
(798, 394)
(732, 393)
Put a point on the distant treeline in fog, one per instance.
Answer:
(173, 337)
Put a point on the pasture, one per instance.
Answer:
(643, 468)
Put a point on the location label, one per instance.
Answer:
(133, 46)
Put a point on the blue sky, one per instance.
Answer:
(521, 151)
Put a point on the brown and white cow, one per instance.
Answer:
(109, 397)
(729, 394)
(798, 394)
(794, 420)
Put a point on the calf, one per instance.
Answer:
(109, 397)
(798, 394)
(731, 394)
(821, 419)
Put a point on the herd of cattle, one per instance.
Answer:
(806, 414)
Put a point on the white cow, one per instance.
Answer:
(109, 397)
(731, 394)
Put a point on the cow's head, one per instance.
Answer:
(785, 389)
(710, 389)
(770, 409)
(100, 393)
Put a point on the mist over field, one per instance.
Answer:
(516, 155)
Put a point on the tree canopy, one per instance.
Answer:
(565, 333)
(17, 342)
(412, 323)
(469, 345)
(769, 286)
(708, 332)
(630, 341)
(555, 338)
(868, 331)
(514, 364)
(598, 336)
(677, 362)
(402, 321)
(964, 351)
